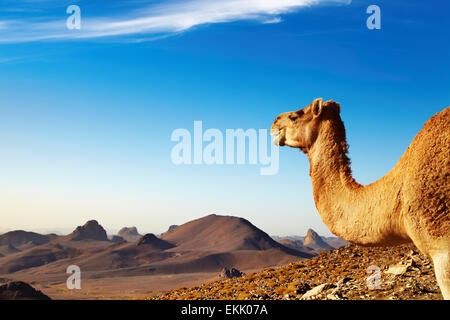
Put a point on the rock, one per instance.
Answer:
(413, 253)
(334, 296)
(317, 290)
(233, 273)
(19, 290)
(398, 269)
(302, 287)
(90, 231)
(300, 278)
(341, 282)
(117, 239)
(130, 234)
(172, 227)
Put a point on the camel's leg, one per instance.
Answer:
(441, 263)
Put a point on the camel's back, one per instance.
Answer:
(425, 168)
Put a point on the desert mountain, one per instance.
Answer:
(314, 241)
(19, 240)
(171, 228)
(130, 234)
(8, 249)
(222, 234)
(43, 255)
(20, 237)
(117, 239)
(15, 241)
(20, 291)
(152, 241)
(297, 245)
(333, 241)
(54, 248)
(91, 230)
(207, 244)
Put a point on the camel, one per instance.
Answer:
(409, 204)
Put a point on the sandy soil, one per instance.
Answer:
(114, 288)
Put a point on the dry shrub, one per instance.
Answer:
(243, 296)
(280, 290)
(271, 284)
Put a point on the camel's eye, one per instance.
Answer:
(293, 118)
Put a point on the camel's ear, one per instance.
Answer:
(317, 106)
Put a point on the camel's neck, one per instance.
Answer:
(367, 215)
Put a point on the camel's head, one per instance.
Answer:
(300, 129)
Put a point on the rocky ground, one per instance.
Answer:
(20, 291)
(350, 272)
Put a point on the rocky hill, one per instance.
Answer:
(338, 274)
(91, 230)
(20, 291)
(204, 245)
(315, 242)
(223, 234)
(153, 241)
(19, 240)
(130, 234)
(297, 241)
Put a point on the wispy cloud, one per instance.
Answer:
(273, 20)
(152, 20)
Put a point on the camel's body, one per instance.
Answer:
(409, 204)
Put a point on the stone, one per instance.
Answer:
(302, 288)
(341, 282)
(398, 269)
(317, 290)
(19, 290)
(233, 273)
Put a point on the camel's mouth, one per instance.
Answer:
(280, 137)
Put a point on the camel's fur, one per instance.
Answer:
(409, 204)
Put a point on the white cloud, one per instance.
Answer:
(164, 18)
(273, 20)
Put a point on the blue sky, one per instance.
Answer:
(86, 119)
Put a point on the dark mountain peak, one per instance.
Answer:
(311, 234)
(91, 230)
(172, 227)
(151, 240)
(314, 241)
